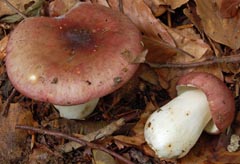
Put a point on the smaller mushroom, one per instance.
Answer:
(203, 101)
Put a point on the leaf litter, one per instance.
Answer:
(206, 38)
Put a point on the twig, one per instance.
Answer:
(14, 9)
(120, 6)
(7, 103)
(105, 131)
(215, 60)
(81, 141)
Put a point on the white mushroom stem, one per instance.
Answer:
(172, 130)
(79, 112)
(211, 128)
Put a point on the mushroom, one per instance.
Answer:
(203, 99)
(75, 58)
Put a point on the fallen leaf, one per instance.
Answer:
(32, 10)
(189, 41)
(60, 7)
(39, 156)
(139, 156)
(191, 13)
(229, 8)
(101, 157)
(221, 30)
(172, 3)
(103, 132)
(158, 50)
(148, 74)
(137, 139)
(104, 2)
(12, 141)
(186, 40)
(143, 18)
(205, 152)
(156, 8)
(6, 10)
(3, 46)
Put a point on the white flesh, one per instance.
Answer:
(78, 112)
(173, 130)
(211, 128)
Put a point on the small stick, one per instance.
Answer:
(169, 19)
(7, 103)
(14, 9)
(215, 60)
(81, 141)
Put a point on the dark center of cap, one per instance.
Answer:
(79, 37)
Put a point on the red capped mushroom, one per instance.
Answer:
(203, 99)
(74, 58)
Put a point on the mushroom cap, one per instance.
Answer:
(86, 53)
(220, 98)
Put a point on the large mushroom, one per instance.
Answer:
(203, 101)
(75, 58)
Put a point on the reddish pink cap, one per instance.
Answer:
(220, 98)
(66, 60)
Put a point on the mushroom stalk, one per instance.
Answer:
(172, 130)
(79, 112)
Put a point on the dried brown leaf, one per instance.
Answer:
(158, 51)
(39, 156)
(172, 3)
(138, 138)
(6, 10)
(191, 13)
(100, 133)
(101, 157)
(187, 40)
(104, 2)
(221, 30)
(12, 141)
(3, 46)
(148, 74)
(59, 7)
(229, 8)
(143, 18)
(190, 42)
(32, 9)
(75, 126)
(156, 8)
(206, 151)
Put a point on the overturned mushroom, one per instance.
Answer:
(173, 129)
(74, 58)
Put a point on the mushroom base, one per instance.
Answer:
(78, 112)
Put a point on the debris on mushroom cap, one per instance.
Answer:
(73, 58)
(220, 98)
